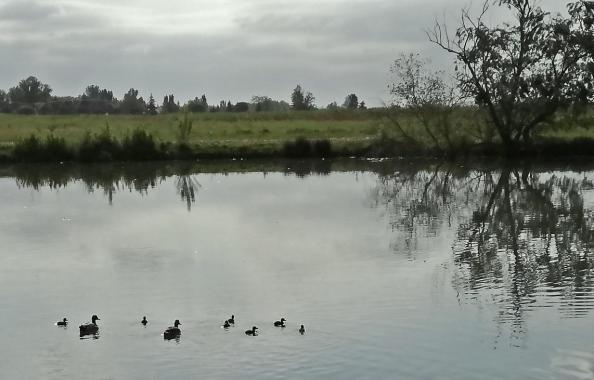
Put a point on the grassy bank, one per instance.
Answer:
(218, 135)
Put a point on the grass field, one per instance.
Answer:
(223, 134)
(206, 127)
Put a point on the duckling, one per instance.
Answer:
(231, 320)
(251, 332)
(63, 322)
(144, 321)
(302, 330)
(90, 328)
(280, 323)
(226, 325)
(172, 331)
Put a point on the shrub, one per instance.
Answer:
(28, 150)
(140, 146)
(31, 149)
(55, 149)
(102, 147)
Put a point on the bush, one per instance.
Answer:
(28, 150)
(140, 146)
(31, 149)
(102, 147)
(56, 150)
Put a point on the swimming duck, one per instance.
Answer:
(280, 323)
(251, 332)
(90, 328)
(144, 321)
(172, 331)
(231, 320)
(63, 322)
(226, 324)
(302, 330)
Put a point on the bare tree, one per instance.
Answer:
(428, 95)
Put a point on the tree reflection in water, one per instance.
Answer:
(187, 187)
(110, 179)
(524, 240)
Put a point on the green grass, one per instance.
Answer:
(263, 134)
(231, 128)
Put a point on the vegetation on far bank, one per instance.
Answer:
(371, 133)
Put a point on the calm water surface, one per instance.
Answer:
(397, 270)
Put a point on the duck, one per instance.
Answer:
(280, 323)
(251, 332)
(90, 328)
(302, 330)
(231, 320)
(144, 321)
(63, 322)
(172, 331)
(226, 325)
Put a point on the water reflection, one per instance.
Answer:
(523, 240)
(523, 237)
(176, 338)
(89, 336)
(110, 179)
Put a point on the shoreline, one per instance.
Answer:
(301, 148)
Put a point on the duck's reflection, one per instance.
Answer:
(89, 336)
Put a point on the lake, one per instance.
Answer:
(398, 270)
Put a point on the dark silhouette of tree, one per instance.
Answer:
(29, 95)
(132, 104)
(522, 73)
(198, 104)
(169, 105)
(241, 107)
(4, 102)
(229, 106)
(332, 106)
(151, 107)
(301, 101)
(362, 105)
(96, 100)
(266, 104)
(351, 102)
(30, 91)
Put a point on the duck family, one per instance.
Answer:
(172, 332)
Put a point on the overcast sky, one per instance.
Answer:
(227, 49)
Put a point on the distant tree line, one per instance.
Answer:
(31, 96)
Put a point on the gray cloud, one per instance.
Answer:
(26, 11)
(229, 50)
